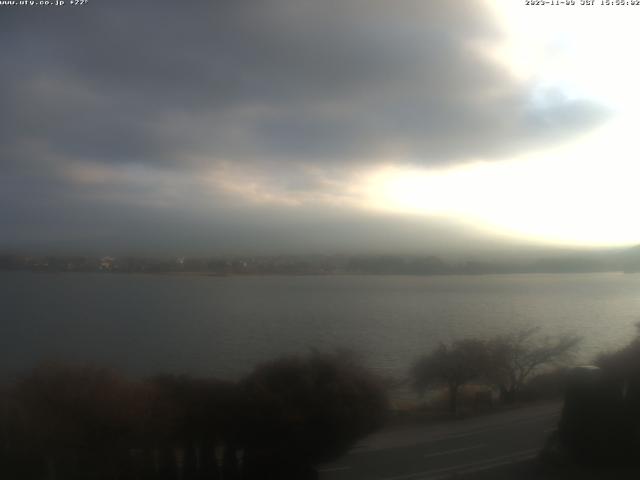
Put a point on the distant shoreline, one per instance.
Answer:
(627, 261)
(320, 274)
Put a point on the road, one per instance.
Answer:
(434, 452)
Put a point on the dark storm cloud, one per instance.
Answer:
(159, 82)
(114, 116)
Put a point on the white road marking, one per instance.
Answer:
(456, 450)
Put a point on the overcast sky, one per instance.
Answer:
(299, 126)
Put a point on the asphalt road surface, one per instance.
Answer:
(440, 451)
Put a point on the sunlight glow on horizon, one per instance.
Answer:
(584, 193)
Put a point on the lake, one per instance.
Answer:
(223, 326)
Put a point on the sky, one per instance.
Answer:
(333, 126)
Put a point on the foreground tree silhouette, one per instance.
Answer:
(75, 418)
(513, 358)
(621, 372)
(600, 423)
(623, 365)
(452, 366)
(186, 419)
(68, 422)
(303, 410)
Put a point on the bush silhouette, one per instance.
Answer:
(310, 409)
(186, 419)
(601, 416)
(73, 418)
(76, 422)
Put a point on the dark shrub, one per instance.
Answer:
(185, 410)
(593, 425)
(546, 386)
(601, 416)
(304, 410)
(84, 422)
(186, 420)
(622, 371)
(74, 419)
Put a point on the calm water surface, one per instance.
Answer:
(144, 324)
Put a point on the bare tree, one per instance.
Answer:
(514, 357)
(452, 366)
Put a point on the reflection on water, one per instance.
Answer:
(143, 324)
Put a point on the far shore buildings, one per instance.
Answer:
(107, 263)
